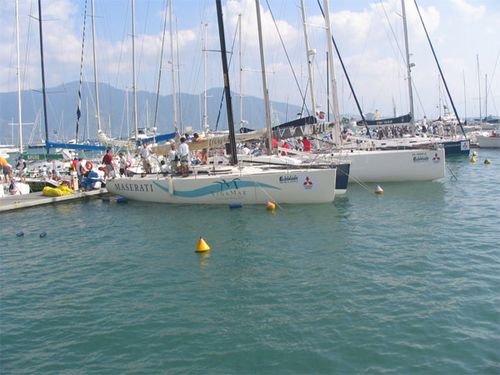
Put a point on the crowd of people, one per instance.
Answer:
(176, 160)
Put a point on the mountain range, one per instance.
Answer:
(116, 112)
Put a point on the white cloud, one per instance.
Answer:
(469, 10)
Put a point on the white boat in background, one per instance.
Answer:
(394, 165)
(488, 140)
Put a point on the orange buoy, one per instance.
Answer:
(202, 246)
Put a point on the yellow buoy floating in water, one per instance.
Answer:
(474, 153)
(487, 161)
(473, 159)
(271, 206)
(202, 246)
(379, 190)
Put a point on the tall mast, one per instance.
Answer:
(264, 81)
(172, 61)
(408, 65)
(486, 96)
(227, 88)
(479, 88)
(44, 94)
(178, 64)
(333, 81)
(18, 75)
(96, 84)
(240, 54)
(309, 57)
(205, 73)
(134, 87)
(465, 98)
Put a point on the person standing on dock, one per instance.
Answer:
(109, 164)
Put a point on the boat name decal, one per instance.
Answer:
(228, 189)
(288, 179)
(420, 157)
(122, 186)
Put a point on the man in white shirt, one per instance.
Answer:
(184, 157)
(145, 154)
(173, 159)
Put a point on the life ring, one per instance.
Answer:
(89, 165)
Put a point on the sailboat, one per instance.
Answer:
(454, 146)
(233, 184)
(367, 164)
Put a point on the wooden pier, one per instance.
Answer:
(15, 202)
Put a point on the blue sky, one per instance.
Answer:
(460, 30)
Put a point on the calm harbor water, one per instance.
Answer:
(407, 282)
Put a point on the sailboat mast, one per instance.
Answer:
(134, 87)
(408, 66)
(172, 61)
(479, 88)
(333, 81)
(178, 64)
(465, 97)
(205, 73)
(486, 96)
(96, 84)
(44, 94)
(18, 75)
(309, 57)
(240, 55)
(264, 81)
(227, 88)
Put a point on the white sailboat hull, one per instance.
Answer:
(488, 141)
(247, 185)
(395, 165)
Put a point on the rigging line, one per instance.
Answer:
(401, 54)
(392, 30)
(79, 100)
(454, 177)
(440, 71)
(229, 66)
(491, 82)
(347, 78)
(302, 95)
(160, 67)
(141, 52)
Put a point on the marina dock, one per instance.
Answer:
(15, 202)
